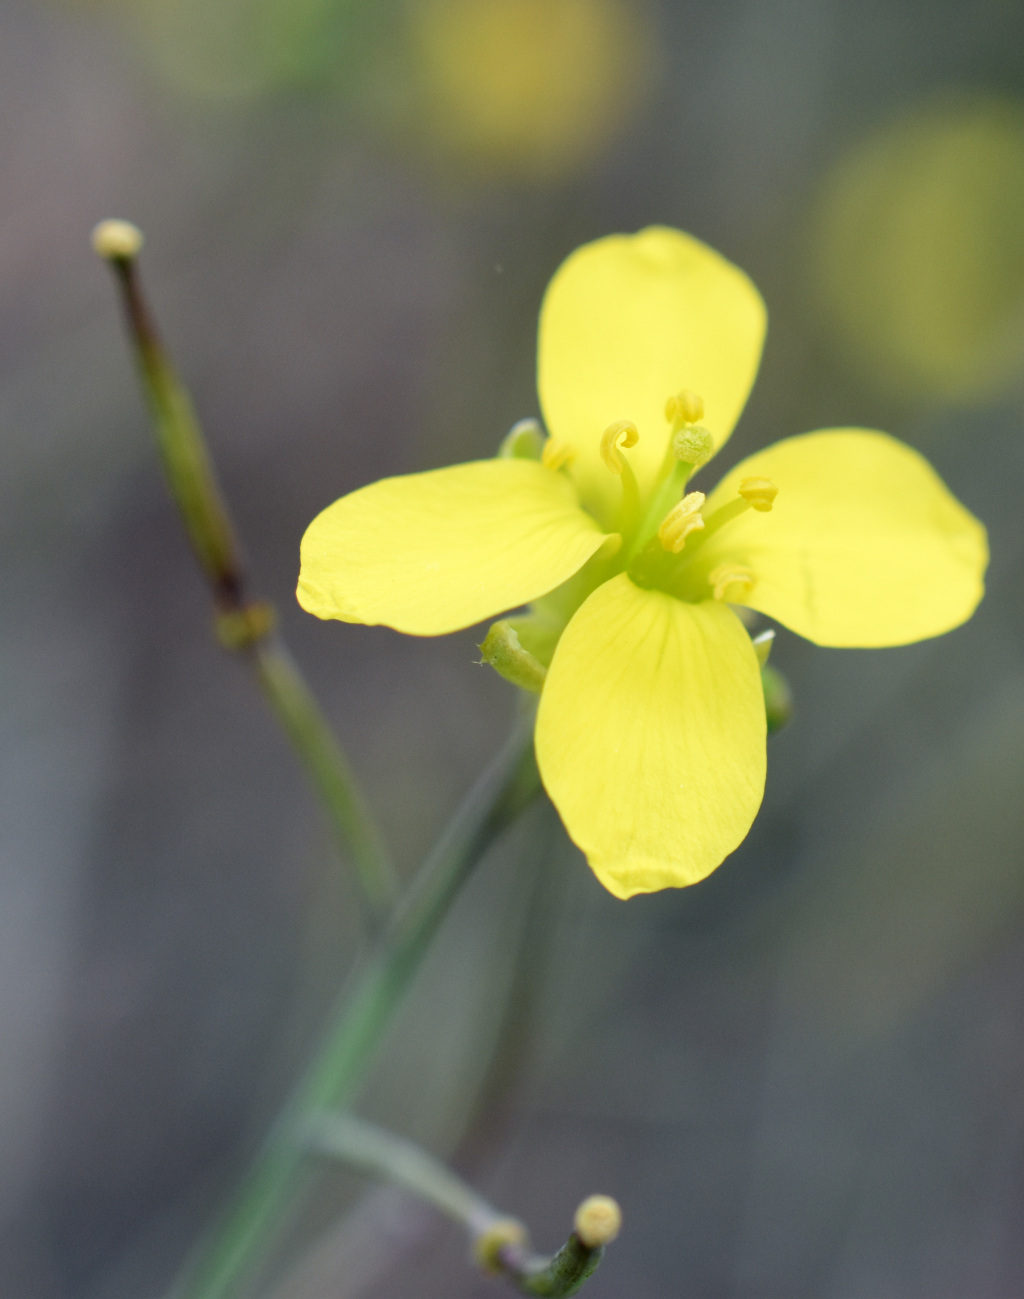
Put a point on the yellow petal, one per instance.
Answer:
(651, 736)
(864, 545)
(628, 322)
(429, 553)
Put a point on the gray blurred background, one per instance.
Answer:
(804, 1077)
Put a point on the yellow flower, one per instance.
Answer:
(651, 727)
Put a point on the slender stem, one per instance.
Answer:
(557, 1277)
(328, 768)
(381, 1153)
(500, 1242)
(258, 1210)
(244, 626)
(182, 446)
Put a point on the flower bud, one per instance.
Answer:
(117, 241)
(500, 1235)
(598, 1221)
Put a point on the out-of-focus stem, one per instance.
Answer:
(260, 1207)
(499, 1241)
(328, 768)
(243, 626)
(376, 1151)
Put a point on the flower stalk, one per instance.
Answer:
(260, 1208)
(499, 1242)
(243, 626)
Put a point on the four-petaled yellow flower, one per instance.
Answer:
(651, 726)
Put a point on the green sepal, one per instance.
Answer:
(524, 441)
(504, 651)
(778, 698)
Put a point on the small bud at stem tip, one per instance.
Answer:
(117, 241)
(598, 1221)
(499, 1235)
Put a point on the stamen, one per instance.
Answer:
(684, 408)
(622, 433)
(754, 493)
(759, 492)
(556, 455)
(680, 521)
(731, 582)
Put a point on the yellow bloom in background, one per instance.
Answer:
(522, 89)
(651, 726)
(917, 250)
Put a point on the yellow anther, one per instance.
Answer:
(556, 454)
(731, 582)
(620, 434)
(759, 492)
(684, 408)
(680, 521)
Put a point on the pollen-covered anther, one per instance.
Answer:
(731, 582)
(556, 454)
(622, 433)
(681, 520)
(684, 408)
(759, 492)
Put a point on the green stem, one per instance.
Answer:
(374, 1150)
(241, 625)
(500, 1242)
(328, 768)
(557, 1277)
(183, 450)
(255, 1215)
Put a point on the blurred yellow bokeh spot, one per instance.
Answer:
(529, 87)
(918, 249)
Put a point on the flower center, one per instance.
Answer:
(669, 560)
(664, 533)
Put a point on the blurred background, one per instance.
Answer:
(805, 1076)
